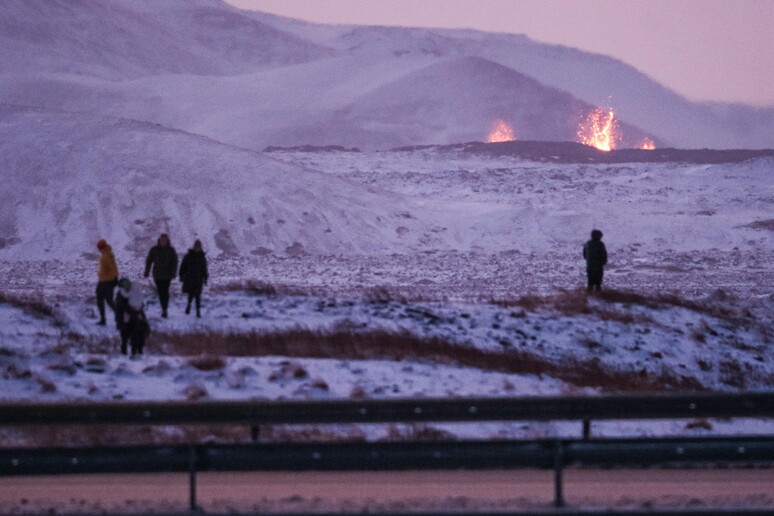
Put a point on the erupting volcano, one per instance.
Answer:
(501, 132)
(599, 129)
(647, 144)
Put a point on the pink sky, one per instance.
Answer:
(704, 49)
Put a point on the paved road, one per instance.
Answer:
(427, 488)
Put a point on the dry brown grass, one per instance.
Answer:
(111, 435)
(261, 288)
(14, 371)
(572, 303)
(382, 345)
(305, 434)
(29, 304)
(206, 362)
(718, 306)
(417, 432)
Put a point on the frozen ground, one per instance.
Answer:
(487, 305)
(256, 345)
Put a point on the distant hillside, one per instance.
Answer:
(72, 179)
(256, 80)
(455, 100)
(119, 39)
(593, 78)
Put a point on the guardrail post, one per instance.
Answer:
(192, 479)
(558, 464)
(586, 429)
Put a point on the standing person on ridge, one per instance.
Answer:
(193, 274)
(162, 258)
(107, 279)
(596, 257)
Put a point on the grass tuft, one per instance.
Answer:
(207, 362)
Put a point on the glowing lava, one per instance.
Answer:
(647, 144)
(501, 132)
(599, 129)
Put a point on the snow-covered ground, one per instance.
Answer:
(428, 272)
(256, 345)
(469, 265)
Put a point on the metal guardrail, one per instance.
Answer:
(388, 456)
(458, 512)
(564, 408)
(553, 454)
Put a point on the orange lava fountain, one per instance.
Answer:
(501, 132)
(647, 144)
(599, 129)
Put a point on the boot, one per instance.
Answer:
(188, 309)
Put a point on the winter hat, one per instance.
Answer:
(101, 244)
(596, 234)
(124, 282)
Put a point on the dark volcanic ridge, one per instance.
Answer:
(571, 152)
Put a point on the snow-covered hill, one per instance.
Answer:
(71, 179)
(119, 39)
(256, 80)
(457, 100)
(593, 78)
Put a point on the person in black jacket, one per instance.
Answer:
(596, 257)
(193, 274)
(130, 317)
(162, 258)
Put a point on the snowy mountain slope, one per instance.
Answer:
(178, 75)
(636, 98)
(118, 39)
(349, 101)
(593, 78)
(123, 39)
(503, 202)
(71, 179)
(269, 107)
(457, 100)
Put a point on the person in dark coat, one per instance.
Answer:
(162, 258)
(130, 317)
(107, 279)
(596, 258)
(193, 274)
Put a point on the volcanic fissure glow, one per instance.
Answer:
(501, 132)
(599, 129)
(647, 144)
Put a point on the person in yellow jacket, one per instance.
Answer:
(107, 275)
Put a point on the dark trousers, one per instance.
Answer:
(162, 286)
(134, 336)
(195, 296)
(595, 279)
(105, 295)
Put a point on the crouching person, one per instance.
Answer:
(130, 317)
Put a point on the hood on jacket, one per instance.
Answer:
(133, 295)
